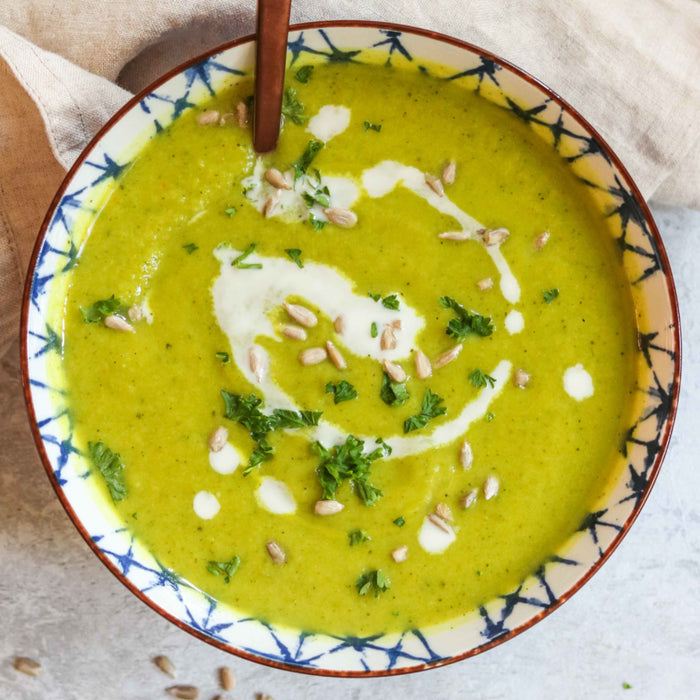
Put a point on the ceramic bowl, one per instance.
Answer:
(641, 252)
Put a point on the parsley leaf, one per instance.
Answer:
(292, 108)
(387, 448)
(481, 379)
(376, 297)
(230, 211)
(399, 522)
(372, 579)
(626, 686)
(111, 467)
(347, 461)
(549, 295)
(358, 537)
(304, 73)
(190, 248)
(295, 254)
(343, 391)
(317, 223)
(321, 195)
(223, 356)
(373, 330)
(374, 127)
(467, 322)
(393, 393)
(227, 568)
(490, 416)
(101, 309)
(302, 163)
(391, 302)
(238, 262)
(430, 408)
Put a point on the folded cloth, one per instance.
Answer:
(629, 66)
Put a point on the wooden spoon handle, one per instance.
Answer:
(271, 59)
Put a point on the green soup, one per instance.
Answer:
(542, 451)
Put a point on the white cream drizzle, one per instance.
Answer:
(514, 322)
(225, 460)
(578, 383)
(275, 496)
(330, 121)
(205, 505)
(434, 539)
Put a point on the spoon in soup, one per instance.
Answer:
(270, 62)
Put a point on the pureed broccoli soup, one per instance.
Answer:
(364, 383)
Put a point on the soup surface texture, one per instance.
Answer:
(530, 339)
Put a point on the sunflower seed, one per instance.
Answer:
(423, 367)
(184, 692)
(271, 203)
(278, 556)
(394, 371)
(400, 554)
(336, 357)
(163, 662)
(216, 442)
(493, 236)
(256, 360)
(301, 314)
(328, 507)
(135, 313)
(541, 240)
(396, 324)
(449, 172)
(117, 323)
(439, 522)
(454, 235)
(339, 325)
(294, 332)
(227, 680)
(521, 378)
(491, 486)
(220, 696)
(262, 696)
(27, 666)
(469, 499)
(242, 114)
(466, 457)
(211, 116)
(442, 510)
(312, 356)
(341, 217)
(388, 340)
(448, 356)
(485, 284)
(435, 184)
(276, 179)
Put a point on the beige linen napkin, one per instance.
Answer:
(630, 66)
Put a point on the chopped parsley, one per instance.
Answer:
(393, 393)
(376, 297)
(549, 295)
(430, 408)
(238, 262)
(358, 537)
(111, 467)
(304, 73)
(320, 195)
(626, 686)
(190, 248)
(246, 411)
(317, 223)
(374, 127)
(387, 448)
(490, 416)
(224, 357)
(101, 309)
(295, 255)
(344, 391)
(399, 522)
(372, 579)
(391, 302)
(301, 165)
(230, 211)
(347, 461)
(373, 330)
(467, 322)
(480, 379)
(292, 108)
(225, 568)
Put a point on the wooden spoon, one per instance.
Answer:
(270, 63)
